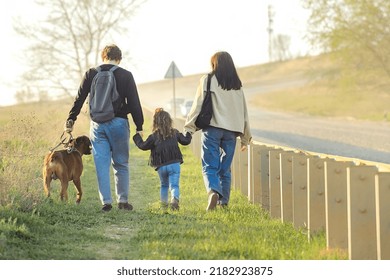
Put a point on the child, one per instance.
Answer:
(165, 155)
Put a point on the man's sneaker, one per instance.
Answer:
(213, 199)
(125, 206)
(107, 207)
(174, 204)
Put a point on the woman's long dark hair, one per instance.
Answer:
(223, 67)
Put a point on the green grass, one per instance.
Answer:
(64, 231)
(35, 228)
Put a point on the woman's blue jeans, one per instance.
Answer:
(218, 146)
(110, 146)
(169, 179)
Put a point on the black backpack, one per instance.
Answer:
(104, 99)
(206, 112)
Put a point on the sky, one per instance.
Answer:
(187, 32)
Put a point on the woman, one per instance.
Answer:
(229, 120)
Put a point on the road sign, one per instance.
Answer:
(173, 72)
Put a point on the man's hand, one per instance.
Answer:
(69, 126)
(243, 148)
(141, 133)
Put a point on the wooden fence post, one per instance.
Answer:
(264, 178)
(316, 195)
(236, 181)
(299, 190)
(274, 183)
(286, 186)
(382, 193)
(336, 204)
(362, 244)
(254, 184)
(243, 169)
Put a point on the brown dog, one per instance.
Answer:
(66, 165)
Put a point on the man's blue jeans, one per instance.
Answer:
(110, 145)
(218, 146)
(169, 179)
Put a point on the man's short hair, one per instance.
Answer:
(112, 52)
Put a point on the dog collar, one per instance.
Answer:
(72, 149)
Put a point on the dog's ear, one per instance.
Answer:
(86, 140)
(72, 142)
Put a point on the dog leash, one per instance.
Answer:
(63, 141)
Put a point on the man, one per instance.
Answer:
(110, 139)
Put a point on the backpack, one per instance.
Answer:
(206, 112)
(104, 99)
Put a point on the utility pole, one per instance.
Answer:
(270, 31)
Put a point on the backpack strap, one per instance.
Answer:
(113, 68)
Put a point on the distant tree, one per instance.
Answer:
(43, 96)
(69, 40)
(281, 47)
(23, 96)
(357, 32)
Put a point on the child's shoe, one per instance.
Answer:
(164, 205)
(174, 204)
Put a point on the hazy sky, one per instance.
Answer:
(185, 31)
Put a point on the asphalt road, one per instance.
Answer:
(344, 137)
(369, 141)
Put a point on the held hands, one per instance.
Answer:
(141, 133)
(68, 127)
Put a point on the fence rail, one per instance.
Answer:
(347, 198)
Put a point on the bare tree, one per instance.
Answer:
(23, 96)
(281, 45)
(69, 40)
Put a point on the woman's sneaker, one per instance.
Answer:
(213, 199)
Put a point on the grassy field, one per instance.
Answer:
(325, 89)
(35, 228)
(315, 86)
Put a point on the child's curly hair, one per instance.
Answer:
(162, 124)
